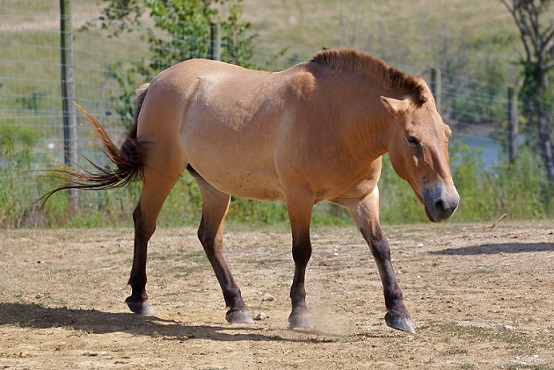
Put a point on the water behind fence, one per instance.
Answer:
(31, 82)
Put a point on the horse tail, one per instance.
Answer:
(128, 160)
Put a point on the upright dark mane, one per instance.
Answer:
(389, 77)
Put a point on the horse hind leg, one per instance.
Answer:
(215, 205)
(156, 187)
(138, 300)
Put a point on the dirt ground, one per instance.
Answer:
(480, 298)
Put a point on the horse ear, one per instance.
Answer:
(395, 106)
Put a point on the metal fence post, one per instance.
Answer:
(436, 87)
(512, 125)
(215, 42)
(68, 94)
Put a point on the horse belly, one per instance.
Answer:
(234, 164)
(252, 182)
(232, 151)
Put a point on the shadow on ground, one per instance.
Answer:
(98, 322)
(498, 249)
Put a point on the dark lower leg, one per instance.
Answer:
(213, 247)
(238, 311)
(299, 206)
(300, 316)
(138, 300)
(397, 314)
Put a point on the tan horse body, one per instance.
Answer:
(255, 134)
(313, 132)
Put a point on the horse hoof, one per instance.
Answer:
(140, 308)
(301, 321)
(239, 317)
(399, 322)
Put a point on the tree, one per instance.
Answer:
(176, 30)
(537, 60)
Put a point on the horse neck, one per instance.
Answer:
(349, 108)
(367, 123)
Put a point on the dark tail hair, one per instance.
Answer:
(129, 160)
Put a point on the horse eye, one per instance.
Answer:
(412, 140)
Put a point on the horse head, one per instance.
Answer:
(418, 150)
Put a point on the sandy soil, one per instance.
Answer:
(480, 298)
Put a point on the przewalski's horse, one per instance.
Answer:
(313, 132)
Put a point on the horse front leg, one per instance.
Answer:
(366, 216)
(397, 316)
(300, 212)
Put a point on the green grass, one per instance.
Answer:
(454, 351)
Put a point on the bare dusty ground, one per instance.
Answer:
(480, 298)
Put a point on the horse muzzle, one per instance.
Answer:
(440, 203)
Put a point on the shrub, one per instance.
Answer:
(16, 145)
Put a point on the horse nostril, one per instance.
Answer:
(440, 206)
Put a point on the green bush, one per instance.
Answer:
(519, 190)
(470, 179)
(16, 145)
(522, 190)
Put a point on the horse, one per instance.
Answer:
(315, 131)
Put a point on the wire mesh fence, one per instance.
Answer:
(30, 81)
